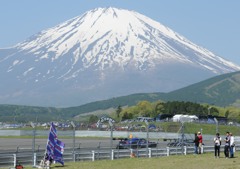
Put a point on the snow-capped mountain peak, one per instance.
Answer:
(105, 42)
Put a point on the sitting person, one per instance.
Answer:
(19, 166)
(46, 162)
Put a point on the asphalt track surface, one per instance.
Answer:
(12, 144)
(23, 143)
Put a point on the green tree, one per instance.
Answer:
(145, 108)
(227, 113)
(118, 111)
(93, 119)
(213, 111)
(159, 109)
(127, 115)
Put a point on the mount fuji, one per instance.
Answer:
(104, 53)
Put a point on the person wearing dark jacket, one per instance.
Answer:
(196, 143)
(227, 145)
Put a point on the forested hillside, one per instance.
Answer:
(221, 91)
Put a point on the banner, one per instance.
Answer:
(55, 147)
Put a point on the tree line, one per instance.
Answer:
(148, 109)
(153, 109)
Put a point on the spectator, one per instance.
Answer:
(227, 145)
(130, 136)
(217, 144)
(200, 140)
(196, 143)
(232, 144)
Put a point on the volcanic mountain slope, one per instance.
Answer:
(222, 90)
(105, 52)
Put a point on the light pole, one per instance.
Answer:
(111, 138)
(33, 142)
(111, 135)
(146, 122)
(209, 110)
(74, 126)
(216, 121)
(183, 136)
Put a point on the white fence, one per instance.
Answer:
(26, 157)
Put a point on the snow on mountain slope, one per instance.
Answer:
(105, 36)
(106, 48)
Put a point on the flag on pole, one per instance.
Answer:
(58, 152)
(55, 147)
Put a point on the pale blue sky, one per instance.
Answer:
(213, 24)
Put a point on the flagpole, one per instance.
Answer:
(45, 153)
(33, 143)
(47, 141)
(74, 126)
(55, 147)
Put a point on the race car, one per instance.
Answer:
(135, 143)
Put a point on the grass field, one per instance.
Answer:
(203, 161)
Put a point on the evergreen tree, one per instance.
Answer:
(118, 111)
(93, 119)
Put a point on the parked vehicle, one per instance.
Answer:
(135, 143)
(177, 142)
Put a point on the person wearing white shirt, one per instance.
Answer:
(217, 144)
(232, 145)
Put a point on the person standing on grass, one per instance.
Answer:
(217, 144)
(232, 144)
(227, 145)
(200, 140)
(196, 143)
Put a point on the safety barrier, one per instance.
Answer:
(26, 157)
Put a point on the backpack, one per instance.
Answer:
(217, 141)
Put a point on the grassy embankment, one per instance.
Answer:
(203, 161)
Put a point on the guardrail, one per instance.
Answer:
(27, 157)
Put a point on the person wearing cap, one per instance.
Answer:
(200, 140)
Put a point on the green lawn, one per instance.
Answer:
(203, 161)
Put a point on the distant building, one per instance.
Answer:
(184, 118)
(163, 117)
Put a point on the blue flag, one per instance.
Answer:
(55, 147)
